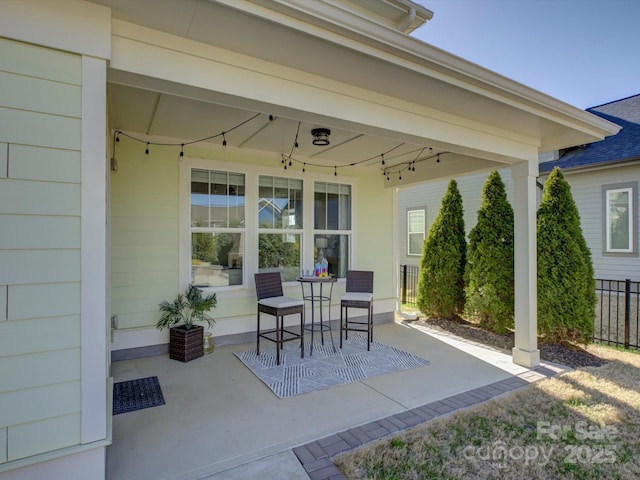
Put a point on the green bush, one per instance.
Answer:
(441, 278)
(566, 283)
(489, 271)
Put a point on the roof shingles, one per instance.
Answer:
(624, 146)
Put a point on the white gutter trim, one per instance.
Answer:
(411, 16)
(352, 31)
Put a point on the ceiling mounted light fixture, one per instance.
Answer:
(321, 136)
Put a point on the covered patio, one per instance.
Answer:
(154, 125)
(221, 419)
(215, 89)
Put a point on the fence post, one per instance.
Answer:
(404, 283)
(627, 311)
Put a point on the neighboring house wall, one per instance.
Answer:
(429, 196)
(587, 188)
(151, 260)
(40, 208)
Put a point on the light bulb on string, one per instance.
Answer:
(146, 152)
(303, 167)
(382, 155)
(335, 171)
(290, 163)
(118, 137)
(182, 150)
(224, 141)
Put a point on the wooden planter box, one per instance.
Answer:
(185, 345)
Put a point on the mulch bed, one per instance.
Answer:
(573, 356)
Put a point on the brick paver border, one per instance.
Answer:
(316, 457)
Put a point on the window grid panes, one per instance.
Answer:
(332, 206)
(619, 220)
(332, 224)
(415, 231)
(217, 228)
(280, 225)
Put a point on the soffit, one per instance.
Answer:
(416, 73)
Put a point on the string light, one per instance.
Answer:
(222, 134)
(287, 160)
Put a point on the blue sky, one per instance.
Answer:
(583, 52)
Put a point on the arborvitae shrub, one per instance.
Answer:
(566, 284)
(441, 278)
(489, 272)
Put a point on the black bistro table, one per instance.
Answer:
(317, 295)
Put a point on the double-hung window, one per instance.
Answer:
(217, 227)
(280, 226)
(619, 218)
(415, 231)
(332, 225)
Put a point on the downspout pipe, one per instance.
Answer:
(404, 25)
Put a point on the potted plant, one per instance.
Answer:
(180, 316)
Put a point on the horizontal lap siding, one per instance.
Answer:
(429, 196)
(40, 139)
(144, 233)
(586, 189)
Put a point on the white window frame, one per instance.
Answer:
(218, 230)
(409, 232)
(282, 230)
(348, 232)
(252, 173)
(631, 189)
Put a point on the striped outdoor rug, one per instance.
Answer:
(325, 368)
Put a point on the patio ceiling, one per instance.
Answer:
(376, 56)
(163, 115)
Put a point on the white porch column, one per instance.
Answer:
(526, 351)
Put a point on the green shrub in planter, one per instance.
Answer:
(186, 339)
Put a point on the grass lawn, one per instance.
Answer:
(581, 425)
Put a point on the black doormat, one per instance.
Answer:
(136, 395)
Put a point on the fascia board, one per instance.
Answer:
(337, 25)
(186, 61)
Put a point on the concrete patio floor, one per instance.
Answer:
(221, 422)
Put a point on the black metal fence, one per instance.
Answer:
(617, 317)
(617, 320)
(408, 284)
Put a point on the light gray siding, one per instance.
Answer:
(586, 188)
(429, 196)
